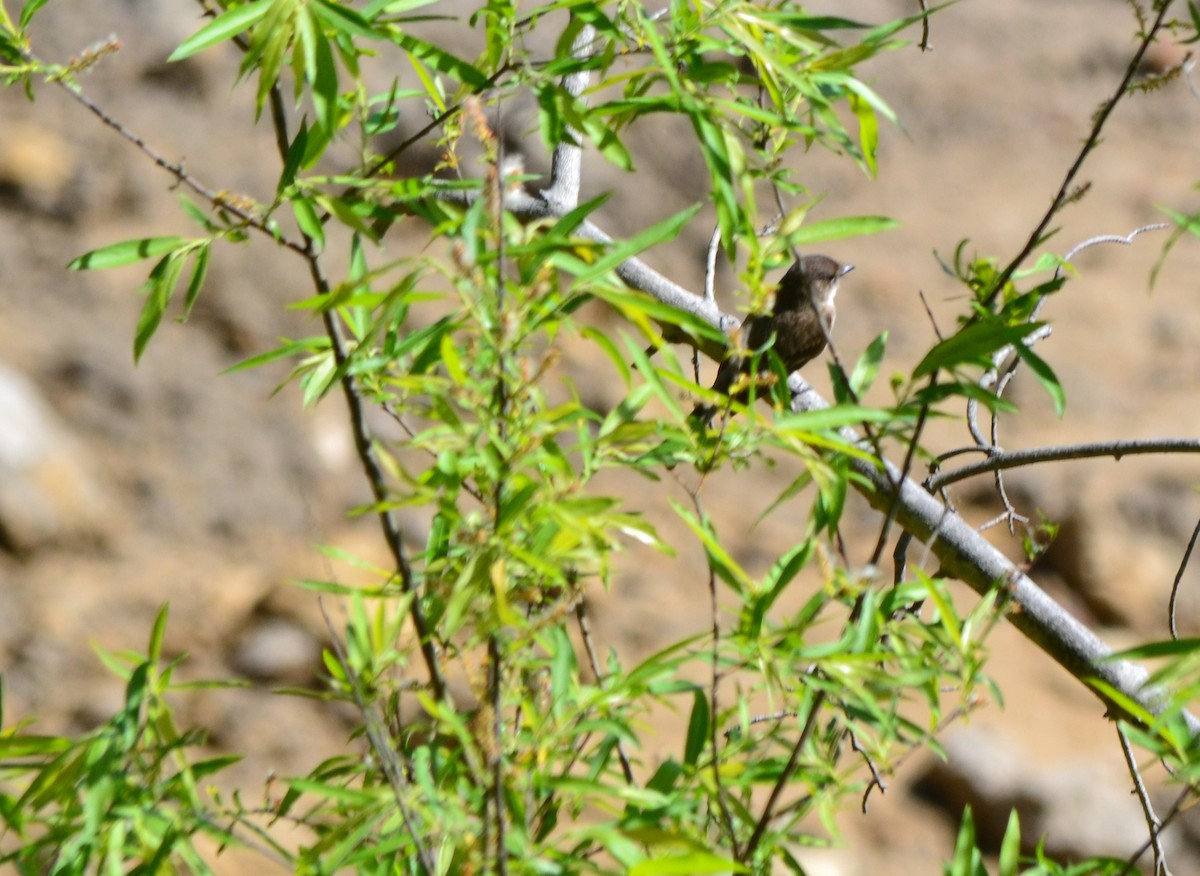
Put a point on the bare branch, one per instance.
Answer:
(232, 204)
(1153, 825)
(998, 461)
(964, 553)
(1127, 240)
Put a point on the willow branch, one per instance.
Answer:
(1035, 455)
(966, 555)
(566, 165)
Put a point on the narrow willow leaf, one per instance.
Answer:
(196, 283)
(868, 131)
(159, 288)
(302, 347)
(1046, 376)
(965, 852)
(1174, 648)
(836, 229)
(833, 418)
(27, 12)
(309, 222)
(125, 253)
(698, 729)
(343, 19)
(294, 160)
(695, 862)
(221, 28)
(972, 345)
(154, 650)
(1010, 847)
(323, 78)
(867, 366)
(440, 59)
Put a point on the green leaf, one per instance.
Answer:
(343, 19)
(295, 159)
(160, 286)
(309, 222)
(321, 74)
(868, 131)
(719, 558)
(1010, 847)
(833, 418)
(154, 651)
(1175, 648)
(698, 728)
(303, 347)
(697, 862)
(836, 229)
(440, 59)
(966, 855)
(1045, 375)
(269, 44)
(125, 253)
(973, 345)
(715, 147)
(196, 283)
(867, 366)
(221, 28)
(29, 10)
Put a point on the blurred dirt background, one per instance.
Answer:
(122, 488)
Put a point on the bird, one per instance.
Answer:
(799, 322)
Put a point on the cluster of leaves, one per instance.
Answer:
(467, 345)
(129, 790)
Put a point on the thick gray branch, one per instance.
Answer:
(963, 552)
(567, 162)
(967, 556)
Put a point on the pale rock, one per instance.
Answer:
(49, 493)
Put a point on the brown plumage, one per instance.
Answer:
(803, 302)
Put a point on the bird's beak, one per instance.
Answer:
(846, 269)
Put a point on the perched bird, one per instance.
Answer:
(799, 322)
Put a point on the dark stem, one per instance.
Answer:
(1093, 140)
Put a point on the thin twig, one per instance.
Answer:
(1092, 141)
(710, 266)
(715, 702)
(998, 461)
(785, 776)
(1153, 825)
(1187, 555)
(229, 203)
(1127, 240)
(1177, 806)
(876, 778)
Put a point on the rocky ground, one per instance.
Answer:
(123, 488)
